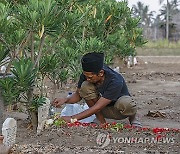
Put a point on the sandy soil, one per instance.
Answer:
(155, 87)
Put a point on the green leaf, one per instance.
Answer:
(10, 92)
(25, 74)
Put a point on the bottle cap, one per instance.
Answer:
(69, 93)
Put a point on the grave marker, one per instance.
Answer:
(9, 130)
(43, 113)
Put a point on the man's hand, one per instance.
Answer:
(66, 118)
(57, 102)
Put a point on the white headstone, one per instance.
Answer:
(9, 130)
(131, 61)
(135, 61)
(116, 69)
(43, 113)
(3, 69)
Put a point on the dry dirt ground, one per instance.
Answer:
(155, 87)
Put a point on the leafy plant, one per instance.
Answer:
(59, 122)
(75, 70)
(24, 74)
(63, 75)
(3, 55)
(117, 127)
(48, 64)
(37, 101)
(10, 93)
(91, 45)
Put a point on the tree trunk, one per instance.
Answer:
(1, 112)
(1, 119)
(40, 51)
(34, 120)
(33, 113)
(167, 21)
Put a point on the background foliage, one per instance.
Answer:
(47, 38)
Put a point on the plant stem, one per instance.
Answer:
(25, 41)
(1, 112)
(40, 51)
(32, 47)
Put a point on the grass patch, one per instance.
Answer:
(158, 51)
(159, 48)
(162, 44)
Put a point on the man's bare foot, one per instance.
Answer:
(134, 121)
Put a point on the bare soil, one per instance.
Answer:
(155, 87)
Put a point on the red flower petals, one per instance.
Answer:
(118, 126)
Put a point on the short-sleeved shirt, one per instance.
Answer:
(113, 86)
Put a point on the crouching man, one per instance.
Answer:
(105, 92)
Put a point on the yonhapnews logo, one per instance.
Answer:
(104, 140)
